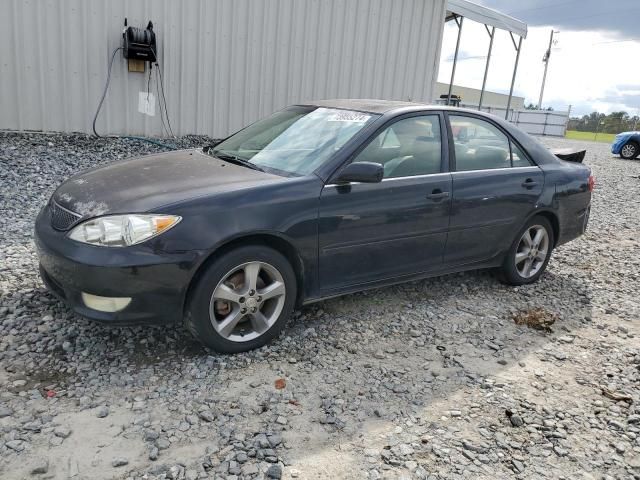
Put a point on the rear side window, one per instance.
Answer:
(479, 145)
(407, 148)
(518, 158)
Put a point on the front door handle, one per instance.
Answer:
(529, 183)
(437, 194)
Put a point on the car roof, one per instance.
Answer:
(381, 107)
(364, 104)
(391, 108)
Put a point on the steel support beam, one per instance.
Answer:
(515, 70)
(455, 56)
(486, 67)
(546, 58)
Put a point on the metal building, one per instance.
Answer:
(225, 63)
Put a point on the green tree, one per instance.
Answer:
(615, 122)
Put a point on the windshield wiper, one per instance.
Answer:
(228, 157)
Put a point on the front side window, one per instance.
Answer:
(294, 141)
(408, 147)
(518, 158)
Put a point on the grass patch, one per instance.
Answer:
(602, 137)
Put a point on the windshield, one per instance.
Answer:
(296, 140)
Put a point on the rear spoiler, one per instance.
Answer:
(569, 154)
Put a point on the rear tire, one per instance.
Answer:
(529, 254)
(630, 150)
(242, 300)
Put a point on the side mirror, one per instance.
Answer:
(364, 172)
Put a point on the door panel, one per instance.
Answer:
(374, 231)
(488, 207)
(495, 187)
(370, 232)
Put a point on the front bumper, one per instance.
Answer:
(617, 145)
(155, 280)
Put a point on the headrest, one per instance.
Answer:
(426, 146)
(497, 153)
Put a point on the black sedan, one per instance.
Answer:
(315, 201)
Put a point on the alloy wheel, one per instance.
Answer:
(532, 251)
(628, 151)
(247, 301)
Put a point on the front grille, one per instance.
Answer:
(61, 218)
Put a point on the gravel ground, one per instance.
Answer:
(432, 379)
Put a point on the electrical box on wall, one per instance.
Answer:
(139, 44)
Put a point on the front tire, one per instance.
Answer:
(242, 300)
(629, 150)
(529, 254)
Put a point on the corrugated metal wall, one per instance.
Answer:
(225, 62)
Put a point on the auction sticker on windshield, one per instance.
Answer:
(346, 116)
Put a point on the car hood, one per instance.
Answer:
(628, 133)
(150, 182)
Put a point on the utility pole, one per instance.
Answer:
(600, 122)
(545, 59)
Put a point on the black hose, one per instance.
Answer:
(164, 127)
(159, 72)
(104, 93)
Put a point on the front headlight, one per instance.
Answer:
(122, 230)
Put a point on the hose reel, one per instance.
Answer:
(139, 44)
(139, 47)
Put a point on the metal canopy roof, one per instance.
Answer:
(458, 10)
(485, 15)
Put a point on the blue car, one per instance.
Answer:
(627, 145)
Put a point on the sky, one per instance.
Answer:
(594, 64)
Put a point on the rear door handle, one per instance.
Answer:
(528, 183)
(437, 194)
